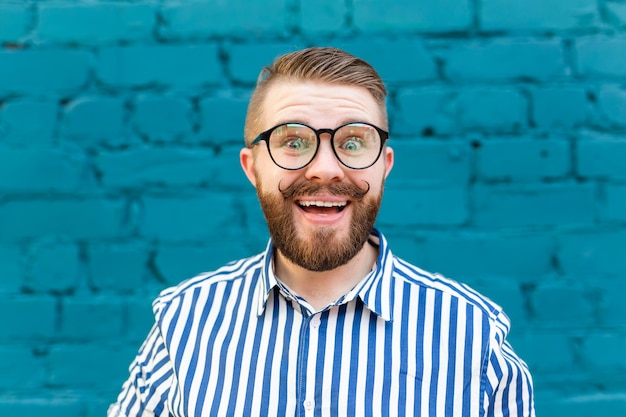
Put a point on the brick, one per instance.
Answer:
(176, 263)
(95, 23)
(430, 162)
(504, 59)
(424, 206)
(547, 352)
(523, 159)
(612, 105)
(95, 406)
(612, 307)
(226, 170)
(93, 118)
(88, 366)
(179, 66)
(601, 156)
(28, 121)
(323, 18)
(189, 19)
(244, 61)
(559, 107)
(592, 254)
(586, 403)
(562, 305)
(79, 314)
(51, 407)
(601, 56)
(550, 205)
(118, 267)
(406, 15)
(53, 267)
(425, 111)
(252, 218)
(615, 13)
(10, 265)
(603, 353)
(40, 169)
(495, 109)
(163, 119)
(20, 71)
(14, 19)
(486, 256)
(20, 367)
(222, 119)
(407, 244)
(180, 262)
(613, 206)
(195, 218)
(33, 318)
(509, 295)
(532, 15)
(139, 317)
(157, 167)
(418, 64)
(79, 219)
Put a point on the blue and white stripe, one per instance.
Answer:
(236, 342)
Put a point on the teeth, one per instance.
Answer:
(322, 203)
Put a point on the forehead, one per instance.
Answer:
(320, 105)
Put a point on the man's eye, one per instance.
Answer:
(352, 144)
(295, 143)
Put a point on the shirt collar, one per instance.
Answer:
(375, 291)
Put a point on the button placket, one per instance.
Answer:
(308, 398)
(315, 322)
(309, 405)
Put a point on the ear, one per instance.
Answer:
(388, 160)
(246, 158)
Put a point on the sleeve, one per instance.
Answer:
(508, 385)
(151, 376)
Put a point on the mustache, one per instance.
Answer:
(304, 188)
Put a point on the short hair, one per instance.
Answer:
(323, 64)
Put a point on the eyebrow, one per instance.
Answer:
(341, 122)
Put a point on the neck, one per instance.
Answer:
(323, 288)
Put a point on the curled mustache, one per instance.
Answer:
(302, 188)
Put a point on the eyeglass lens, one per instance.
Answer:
(293, 146)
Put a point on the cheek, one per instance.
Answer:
(271, 179)
(374, 178)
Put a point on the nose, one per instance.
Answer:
(325, 167)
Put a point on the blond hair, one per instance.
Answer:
(320, 64)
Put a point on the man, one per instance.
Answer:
(326, 321)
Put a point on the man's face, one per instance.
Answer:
(319, 216)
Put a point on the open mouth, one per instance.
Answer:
(322, 207)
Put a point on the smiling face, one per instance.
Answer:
(319, 216)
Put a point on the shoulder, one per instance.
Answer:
(237, 272)
(458, 291)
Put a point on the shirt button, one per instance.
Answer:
(315, 322)
(308, 405)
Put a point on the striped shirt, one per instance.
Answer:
(404, 342)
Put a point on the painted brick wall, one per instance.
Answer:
(120, 126)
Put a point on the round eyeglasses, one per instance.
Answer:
(293, 146)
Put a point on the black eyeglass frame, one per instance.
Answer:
(265, 136)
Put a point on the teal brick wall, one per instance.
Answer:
(120, 127)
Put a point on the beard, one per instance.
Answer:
(323, 249)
